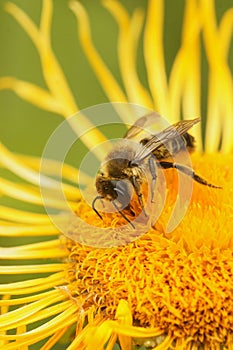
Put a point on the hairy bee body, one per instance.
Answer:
(124, 167)
(118, 165)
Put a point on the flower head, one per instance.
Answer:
(163, 290)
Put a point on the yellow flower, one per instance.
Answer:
(166, 291)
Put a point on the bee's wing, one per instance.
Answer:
(172, 132)
(146, 126)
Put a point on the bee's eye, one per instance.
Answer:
(124, 192)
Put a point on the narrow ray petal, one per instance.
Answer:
(46, 19)
(54, 339)
(191, 57)
(32, 94)
(31, 195)
(225, 31)
(24, 269)
(48, 311)
(41, 332)
(34, 250)
(69, 172)
(184, 83)
(21, 216)
(108, 82)
(129, 33)
(34, 285)
(124, 316)
(220, 79)
(154, 56)
(58, 87)
(25, 231)
(24, 300)
(27, 310)
(51, 68)
(12, 163)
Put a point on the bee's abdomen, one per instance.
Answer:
(190, 141)
(172, 147)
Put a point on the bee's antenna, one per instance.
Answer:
(122, 214)
(93, 206)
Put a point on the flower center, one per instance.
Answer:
(182, 281)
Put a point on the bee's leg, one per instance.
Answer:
(154, 177)
(94, 208)
(122, 214)
(137, 188)
(129, 209)
(187, 171)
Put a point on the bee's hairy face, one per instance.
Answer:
(106, 188)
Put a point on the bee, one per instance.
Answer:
(125, 165)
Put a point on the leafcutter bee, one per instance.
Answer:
(125, 164)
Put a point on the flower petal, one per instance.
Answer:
(105, 77)
(50, 167)
(65, 318)
(31, 251)
(11, 162)
(154, 56)
(34, 285)
(24, 269)
(32, 195)
(124, 316)
(32, 94)
(129, 32)
(54, 75)
(51, 68)
(220, 80)
(24, 231)
(21, 216)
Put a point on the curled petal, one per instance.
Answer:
(216, 42)
(129, 33)
(108, 82)
(32, 94)
(154, 56)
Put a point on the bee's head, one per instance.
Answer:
(106, 187)
(111, 189)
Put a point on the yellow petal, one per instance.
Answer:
(25, 231)
(154, 56)
(105, 77)
(11, 317)
(24, 269)
(184, 83)
(50, 167)
(124, 316)
(190, 49)
(24, 300)
(54, 76)
(21, 216)
(11, 162)
(32, 94)
(23, 252)
(46, 18)
(225, 31)
(129, 32)
(220, 80)
(50, 66)
(31, 195)
(54, 339)
(33, 286)
(66, 318)
(98, 337)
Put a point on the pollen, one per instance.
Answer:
(180, 283)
